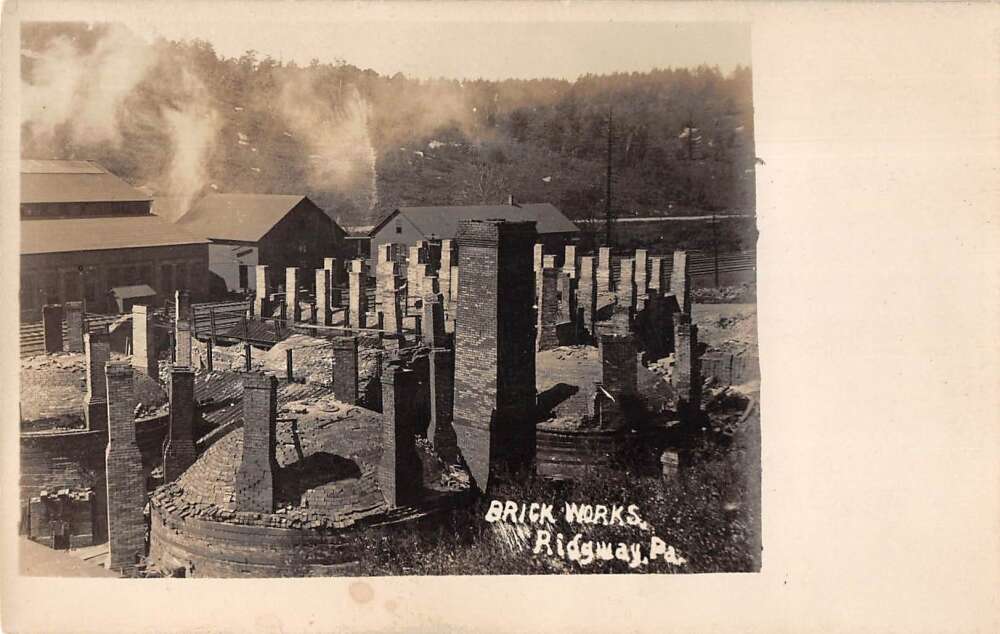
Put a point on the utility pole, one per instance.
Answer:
(607, 201)
(715, 244)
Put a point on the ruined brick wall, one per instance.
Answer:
(566, 288)
(586, 295)
(97, 350)
(444, 273)
(442, 379)
(254, 486)
(618, 376)
(123, 465)
(686, 377)
(179, 452)
(494, 344)
(345, 369)
(63, 519)
(144, 348)
(548, 310)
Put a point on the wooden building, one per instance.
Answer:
(86, 232)
(245, 230)
(410, 225)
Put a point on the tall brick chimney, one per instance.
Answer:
(182, 328)
(126, 484)
(495, 346)
(179, 452)
(255, 475)
(97, 348)
(144, 342)
(399, 472)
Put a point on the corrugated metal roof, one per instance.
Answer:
(94, 234)
(73, 182)
(128, 292)
(442, 222)
(239, 217)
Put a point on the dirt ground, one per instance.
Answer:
(726, 323)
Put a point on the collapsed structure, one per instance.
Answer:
(451, 364)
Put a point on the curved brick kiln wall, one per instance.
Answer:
(216, 549)
(579, 453)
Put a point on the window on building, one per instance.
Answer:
(244, 276)
(399, 227)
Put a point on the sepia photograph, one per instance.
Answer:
(295, 305)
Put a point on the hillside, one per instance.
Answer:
(179, 121)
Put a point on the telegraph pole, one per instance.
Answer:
(607, 202)
(715, 244)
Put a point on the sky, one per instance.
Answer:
(444, 41)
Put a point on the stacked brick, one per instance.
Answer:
(144, 342)
(345, 369)
(179, 451)
(399, 469)
(123, 464)
(97, 348)
(254, 486)
(63, 518)
(495, 346)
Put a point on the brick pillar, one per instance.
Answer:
(641, 273)
(657, 275)
(432, 322)
(399, 472)
(566, 288)
(324, 281)
(444, 273)
(144, 342)
(618, 375)
(604, 271)
(680, 283)
(294, 311)
(586, 295)
(387, 283)
(570, 261)
(254, 487)
(548, 311)
(454, 290)
(52, 320)
(330, 264)
(123, 464)
(97, 348)
(182, 328)
(626, 283)
(345, 369)
(494, 346)
(357, 300)
(74, 326)
(548, 261)
(262, 303)
(179, 452)
(686, 377)
(442, 377)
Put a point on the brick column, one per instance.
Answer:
(432, 322)
(262, 303)
(641, 273)
(570, 262)
(454, 291)
(442, 378)
(586, 294)
(293, 310)
(357, 300)
(74, 326)
(399, 472)
(144, 342)
(330, 264)
(97, 348)
(179, 452)
(657, 275)
(123, 464)
(680, 283)
(566, 288)
(618, 375)
(254, 487)
(604, 271)
(345, 369)
(387, 283)
(548, 261)
(324, 317)
(548, 311)
(444, 273)
(626, 283)
(686, 377)
(52, 320)
(182, 328)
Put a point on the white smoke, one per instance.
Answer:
(338, 138)
(85, 95)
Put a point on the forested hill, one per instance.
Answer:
(179, 120)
